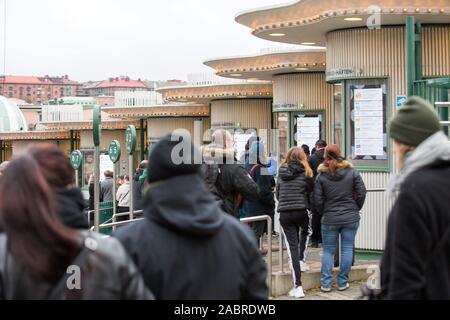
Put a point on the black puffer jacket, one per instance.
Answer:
(315, 160)
(108, 274)
(187, 248)
(265, 203)
(227, 180)
(293, 187)
(339, 197)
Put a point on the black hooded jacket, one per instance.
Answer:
(70, 208)
(293, 187)
(339, 197)
(187, 248)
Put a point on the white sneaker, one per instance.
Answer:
(291, 293)
(298, 293)
(344, 287)
(304, 266)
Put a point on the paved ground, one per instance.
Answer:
(352, 293)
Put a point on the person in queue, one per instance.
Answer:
(339, 195)
(416, 260)
(45, 236)
(294, 187)
(316, 158)
(225, 178)
(186, 247)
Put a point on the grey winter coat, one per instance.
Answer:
(339, 197)
(293, 188)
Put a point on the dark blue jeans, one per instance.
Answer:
(330, 234)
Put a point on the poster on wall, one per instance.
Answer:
(240, 140)
(105, 164)
(368, 117)
(308, 130)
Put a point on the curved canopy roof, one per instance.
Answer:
(308, 21)
(265, 65)
(207, 93)
(11, 118)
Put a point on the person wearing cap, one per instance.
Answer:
(416, 260)
(186, 247)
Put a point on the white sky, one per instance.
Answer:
(150, 39)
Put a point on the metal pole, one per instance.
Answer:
(96, 187)
(130, 173)
(114, 191)
(142, 138)
(269, 254)
(76, 178)
(410, 55)
(280, 252)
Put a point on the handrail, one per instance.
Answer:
(268, 219)
(118, 223)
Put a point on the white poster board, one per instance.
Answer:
(105, 164)
(240, 140)
(308, 131)
(368, 122)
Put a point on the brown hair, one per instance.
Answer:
(333, 158)
(37, 239)
(296, 154)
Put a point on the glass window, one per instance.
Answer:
(308, 128)
(366, 117)
(282, 126)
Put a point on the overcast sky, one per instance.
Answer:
(150, 39)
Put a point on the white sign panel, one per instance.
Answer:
(240, 140)
(368, 122)
(105, 164)
(308, 131)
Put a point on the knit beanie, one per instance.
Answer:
(415, 122)
(163, 164)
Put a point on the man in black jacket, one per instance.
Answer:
(186, 247)
(314, 162)
(225, 178)
(138, 185)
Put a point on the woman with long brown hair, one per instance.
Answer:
(294, 187)
(339, 195)
(44, 253)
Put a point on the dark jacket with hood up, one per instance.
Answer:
(108, 272)
(416, 261)
(138, 187)
(340, 197)
(227, 180)
(187, 248)
(264, 204)
(315, 160)
(293, 187)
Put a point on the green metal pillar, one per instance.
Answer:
(72, 142)
(142, 138)
(1, 151)
(289, 128)
(443, 112)
(410, 55)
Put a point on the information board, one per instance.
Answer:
(368, 122)
(308, 130)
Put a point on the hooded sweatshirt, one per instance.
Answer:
(293, 187)
(339, 197)
(187, 248)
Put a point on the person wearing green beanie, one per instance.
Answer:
(416, 261)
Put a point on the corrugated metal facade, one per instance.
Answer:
(307, 88)
(375, 53)
(436, 50)
(249, 113)
(158, 127)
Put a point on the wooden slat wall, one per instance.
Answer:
(436, 51)
(250, 113)
(158, 127)
(310, 89)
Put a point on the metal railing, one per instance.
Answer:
(268, 220)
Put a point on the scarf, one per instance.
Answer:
(436, 147)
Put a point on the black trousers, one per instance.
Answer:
(292, 223)
(316, 237)
(125, 217)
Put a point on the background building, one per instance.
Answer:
(35, 89)
(110, 86)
